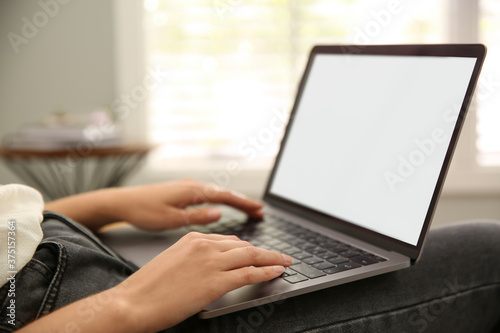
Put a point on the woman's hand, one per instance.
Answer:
(191, 274)
(162, 206)
(153, 207)
(175, 285)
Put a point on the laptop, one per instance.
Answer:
(359, 172)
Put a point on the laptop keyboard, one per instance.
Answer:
(314, 255)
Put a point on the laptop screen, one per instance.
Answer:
(369, 136)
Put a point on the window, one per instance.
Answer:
(234, 65)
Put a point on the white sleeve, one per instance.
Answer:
(21, 209)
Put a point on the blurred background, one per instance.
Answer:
(210, 83)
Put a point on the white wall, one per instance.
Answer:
(67, 64)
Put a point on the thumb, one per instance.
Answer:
(202, 215)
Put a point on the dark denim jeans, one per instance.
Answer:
(454, 288)
(69, 264)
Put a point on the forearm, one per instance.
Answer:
(152, 207)
(104, 312)
(168, 289)
(92, 209)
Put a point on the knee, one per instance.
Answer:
(480, 236)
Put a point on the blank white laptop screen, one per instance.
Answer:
(370, 136)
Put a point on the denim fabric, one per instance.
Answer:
(68, 265)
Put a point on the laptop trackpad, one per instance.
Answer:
(139, 246)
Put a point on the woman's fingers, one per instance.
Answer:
(242, 256)
(202, 215)
(214, 194)
(215, 237)
(234, 253)
(219, 243)
(228, 245)
(249, 275)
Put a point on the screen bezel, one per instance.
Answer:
(477, 51)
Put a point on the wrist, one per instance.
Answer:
(125, 311)
(107, 204)
(111, 311)
(133, 314)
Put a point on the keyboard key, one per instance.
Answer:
(281, 246)
(307, 245)
(291, 250)
(273, 242)
(264, 229)
(327, 255)
(323, 265)
(307, 270)
(264, 238)
(336, 249)
(277, 234)
(379, 259)
(349, 253)
(322, 238)
(317, 250)
(271, 218)
(295, 278)
(362, 260)
(302, 255)
(274, 224)
(350, 265)
(342, 267)
(295, 241)
(289, 239)
(296, 230)
(338, 260)
(309, 233)
(289, 271)
(312, 260)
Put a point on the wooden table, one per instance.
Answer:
(59, 173)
